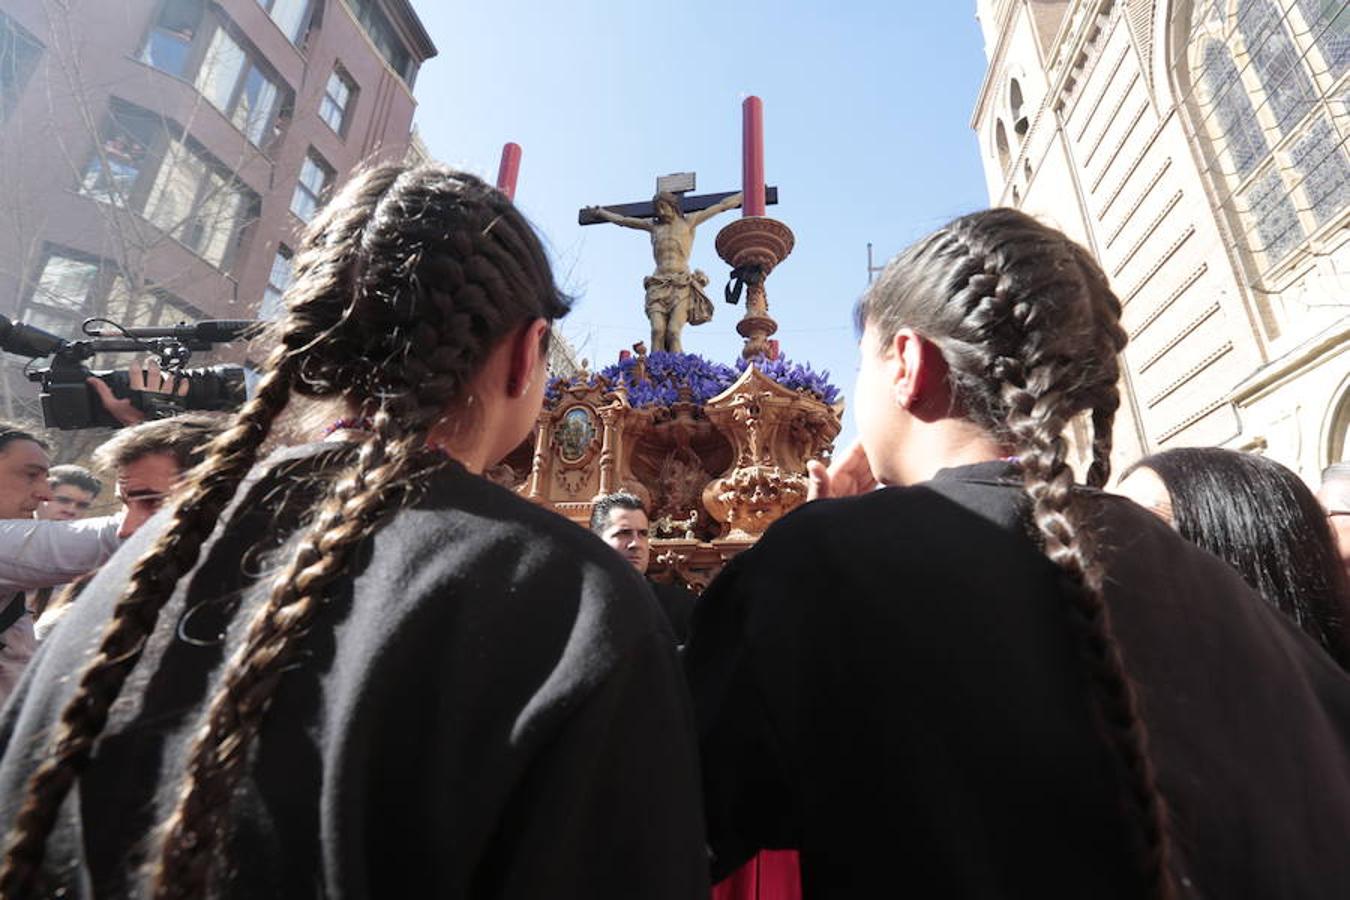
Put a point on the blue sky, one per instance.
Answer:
(866, 108)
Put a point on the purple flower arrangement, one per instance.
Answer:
(668, 372)
(795, 376)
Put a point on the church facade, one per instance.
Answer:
(1198, 148)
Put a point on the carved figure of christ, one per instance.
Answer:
(674, 294)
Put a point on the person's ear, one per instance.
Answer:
(527, 357)
(919, 372)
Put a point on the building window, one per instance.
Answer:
(143, 163)
(290, 16)
(19, 52)
(169, 44)
(1016, 106)
(382, 34)
(337, 100)
(1001, 146)
(237, 87)
(201, 205)
(278, 279)
(62, 297)
(71, 288)
(1269, 85)
(316, 176)
(120, 154)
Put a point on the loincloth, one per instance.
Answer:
(665, 293)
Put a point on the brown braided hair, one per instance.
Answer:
(403, 285)
(1030, 332)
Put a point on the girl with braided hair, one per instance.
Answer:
(984, 680)
(358, 668)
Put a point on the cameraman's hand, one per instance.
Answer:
(150, 378)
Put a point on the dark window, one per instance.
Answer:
(115, 166)
(337, 100)
(278, 279)
(169, 44)
(384, 37)
(316, 177)
(19, 52)
(290, 16)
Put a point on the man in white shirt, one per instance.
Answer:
(33, 553)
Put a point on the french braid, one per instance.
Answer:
(404, 282)
(1030, 332)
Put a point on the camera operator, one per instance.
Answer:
(36, 554)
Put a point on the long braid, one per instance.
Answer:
(1030, 332)
(195, 514)
(429, 318)
(367, 493)
(1036, 422)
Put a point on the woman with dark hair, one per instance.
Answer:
(1261, 519)
(359, 669)
(984, 680)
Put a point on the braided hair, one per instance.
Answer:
(1030, 333)
(403, 285)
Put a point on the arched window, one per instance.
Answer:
(1015, 104)
(1001, 145)
(1270, 97)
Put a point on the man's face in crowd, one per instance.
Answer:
(68, 502)
(627, 533)
(23, 479)
(142, 485)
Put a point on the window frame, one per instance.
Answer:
(346, 109)
(316, 200)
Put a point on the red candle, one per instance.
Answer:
(752, 156)
(509, 169)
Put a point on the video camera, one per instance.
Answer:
(69, 402)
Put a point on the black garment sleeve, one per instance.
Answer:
(747, 795)
(610, 807)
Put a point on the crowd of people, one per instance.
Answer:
(353, 666)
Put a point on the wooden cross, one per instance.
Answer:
(677, 185)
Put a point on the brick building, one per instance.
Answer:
(159, 157)
(1197, 147)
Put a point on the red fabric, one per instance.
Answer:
(772, 875)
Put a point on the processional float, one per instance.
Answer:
(717, 452)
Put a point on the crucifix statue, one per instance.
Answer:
(675, 294)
